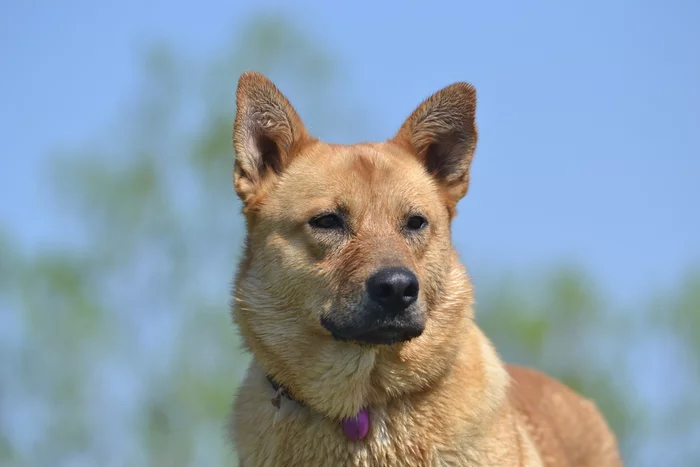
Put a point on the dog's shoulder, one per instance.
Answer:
(567, 428)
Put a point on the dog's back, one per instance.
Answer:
(567, 429)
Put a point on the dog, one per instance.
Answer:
(359, 315)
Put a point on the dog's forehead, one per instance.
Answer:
(378, 175)
(365, 163)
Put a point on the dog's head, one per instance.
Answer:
(348, 266)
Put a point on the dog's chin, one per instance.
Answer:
(388, 335)
(380, 335)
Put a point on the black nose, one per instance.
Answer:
(393, 288)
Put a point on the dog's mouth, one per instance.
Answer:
(387, 334)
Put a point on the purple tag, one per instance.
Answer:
(356, 428)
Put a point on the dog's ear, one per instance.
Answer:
(442, 134)
(266, 132)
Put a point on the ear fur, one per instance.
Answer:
(266, 132)
(442, 134)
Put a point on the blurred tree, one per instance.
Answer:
(120, 351)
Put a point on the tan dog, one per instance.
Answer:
(355, 306)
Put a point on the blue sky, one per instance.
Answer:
(588, 111)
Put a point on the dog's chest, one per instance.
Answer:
(301, 437)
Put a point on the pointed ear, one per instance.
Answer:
(442, 134)
(266, 132)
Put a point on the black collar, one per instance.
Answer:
(281, 391)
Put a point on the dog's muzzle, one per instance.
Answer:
(389, 313)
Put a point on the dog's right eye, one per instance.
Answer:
(326, 221)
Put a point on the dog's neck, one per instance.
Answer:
(477, 378)
(355, 428)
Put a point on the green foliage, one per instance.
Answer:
(120, 351)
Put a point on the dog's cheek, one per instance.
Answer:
(286, 266)
(430, 255)
(419, 245)
(320, 248)
(301, 275)
(435, 269)
(431, 280)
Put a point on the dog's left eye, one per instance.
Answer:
(326, 221)
(416, 222)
